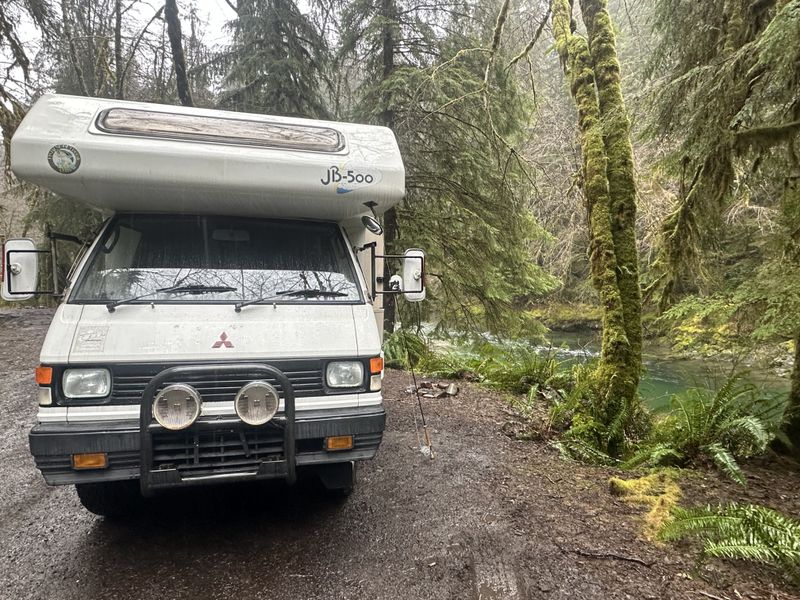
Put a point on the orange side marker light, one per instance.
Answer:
(44, 375)
(375, 365)
(92, 460)
(339, 442)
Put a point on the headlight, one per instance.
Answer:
(256, 403)
(86, 383)
(177, 406)
(345, 374)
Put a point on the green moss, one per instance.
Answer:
(617, 375)
(556, 314)
(620, 168)
(659, 492)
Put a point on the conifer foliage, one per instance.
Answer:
(725, 102)
(458, 115)
(277, 62)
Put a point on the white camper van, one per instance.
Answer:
(224, 324)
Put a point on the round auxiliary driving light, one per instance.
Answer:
(177, 406)
(256, 403)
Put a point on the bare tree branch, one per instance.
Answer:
(73, 51)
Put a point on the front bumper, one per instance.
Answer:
(53, 444)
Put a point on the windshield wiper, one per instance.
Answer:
(177, 289)
(306, 293)
(310, 293)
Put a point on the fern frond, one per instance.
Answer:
(748, 532)
(726, 425)
(579, 450)
(653, 456)
(694, 521)
(725, 462)
(744, 549)
(750, 433)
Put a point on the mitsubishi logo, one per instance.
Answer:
(222, 341)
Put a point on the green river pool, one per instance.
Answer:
(664, 375)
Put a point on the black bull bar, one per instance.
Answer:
(153, 480)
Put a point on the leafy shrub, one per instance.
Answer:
(451, 363)
(700, 324)
(403, 349)
(588, 425)
(733, 531)
(720, 427)
(511, 367)
(516, 367)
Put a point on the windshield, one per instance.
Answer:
(236, 259)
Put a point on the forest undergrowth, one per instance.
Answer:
(703, 430)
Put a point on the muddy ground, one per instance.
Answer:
(490, 517)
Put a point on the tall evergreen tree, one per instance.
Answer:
(178, 56)
(277, 62)
(457, 116)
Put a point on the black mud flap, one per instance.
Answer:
(337, 477)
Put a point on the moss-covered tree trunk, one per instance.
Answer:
(793, 421)
(607, 157)
(621, 181)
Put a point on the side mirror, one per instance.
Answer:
(413, 275)
(372, 224)
(20, 269)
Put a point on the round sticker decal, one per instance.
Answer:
(64, 158)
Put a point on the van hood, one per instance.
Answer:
(170, 333)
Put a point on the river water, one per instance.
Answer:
(664, 375)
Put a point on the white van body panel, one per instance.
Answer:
(194, 332)
(211, 166)
(148, 173)
(58, 341)
(366, 330)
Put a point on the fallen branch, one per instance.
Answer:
(611, 555)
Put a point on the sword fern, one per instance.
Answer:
(720, 428)
(740, 532)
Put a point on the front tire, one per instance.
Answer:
(110, 499)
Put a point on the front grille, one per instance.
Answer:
(197, 453)
(129, 381)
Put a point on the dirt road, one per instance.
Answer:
(489, 518)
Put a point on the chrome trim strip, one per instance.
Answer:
(125, 412)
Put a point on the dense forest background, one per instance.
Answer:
(478, 94)
(633, 163)
(483, 115)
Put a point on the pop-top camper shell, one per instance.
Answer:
(146, 163)
(131, 156)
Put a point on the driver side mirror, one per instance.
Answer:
(20, 269)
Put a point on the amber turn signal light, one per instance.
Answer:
(44, 375)
(375, 365)
(339, 442)
(93, 460)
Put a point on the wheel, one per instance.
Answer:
(110, 499)
(338, 479)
